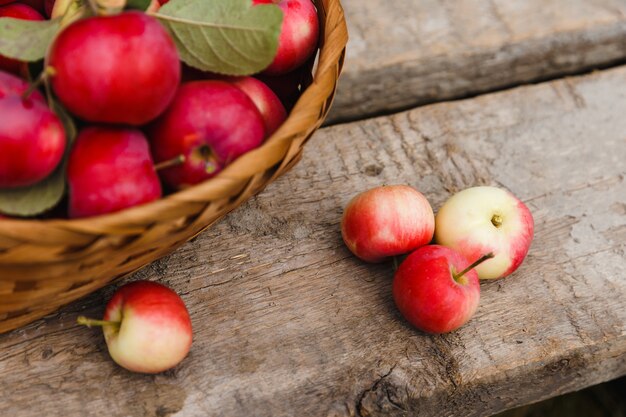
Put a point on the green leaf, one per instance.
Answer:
(38, 198)
(26, 40)
(138, 4)
(229, 37)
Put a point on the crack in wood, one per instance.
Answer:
(361, 410)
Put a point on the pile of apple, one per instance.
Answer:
(146, 123)
(480, 232)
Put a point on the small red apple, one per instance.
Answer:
(121, 69)
(298, 35)
(436, 289)
(146, 327)
(110, 169)
(209, 125)
(17, 11)
(272, 110)
(387, 221)
(486, 219)
(32, 138)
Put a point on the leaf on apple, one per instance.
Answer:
(38, 198)
(26, 40)
(229, 37)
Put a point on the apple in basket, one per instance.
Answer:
(141, 74)
(32, 138)
(116, 76)
(298, 37)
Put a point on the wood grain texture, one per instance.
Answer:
(288, 323)
(412, 52)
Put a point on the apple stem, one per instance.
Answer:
(92, 322)
(496, 220)
(178, 160)
(473, 265)
(45, 74)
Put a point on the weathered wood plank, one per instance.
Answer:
(410, 52)
(288, 323)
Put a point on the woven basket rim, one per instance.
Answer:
(232, 173)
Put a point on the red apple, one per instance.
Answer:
(387, 221)
(110, 169)
(17, 11)
(272, 110)
(298, 35)
(434, 289)
(487, 219)
(120, 69)
(209, 124)
(146, 327)
(267, 102)
(32, 138)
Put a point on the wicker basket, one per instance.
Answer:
(45, 264)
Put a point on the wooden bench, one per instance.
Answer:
(288, 323)
(404, 53)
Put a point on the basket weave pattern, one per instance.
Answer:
(45, 264)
